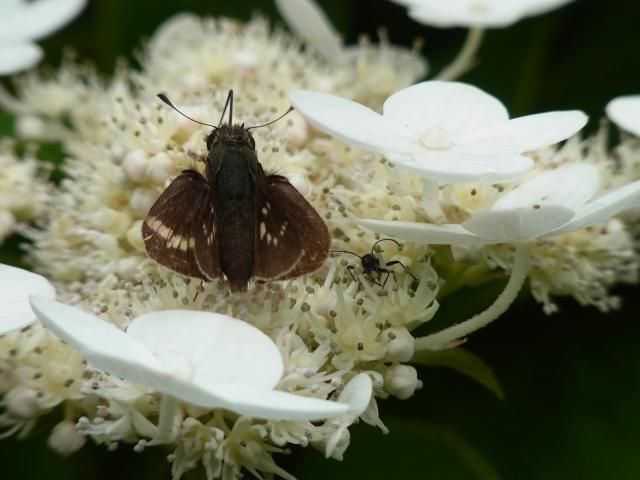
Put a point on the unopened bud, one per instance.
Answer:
(399, 342)
(65, 439)
(402, 381)
(22, 402)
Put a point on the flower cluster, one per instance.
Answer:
(139, 355)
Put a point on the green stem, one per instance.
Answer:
(443, 338)
(466, 57)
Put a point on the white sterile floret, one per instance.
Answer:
(22, 22)
(202, 358)
(16, 285)
(551, 203)
(625, 112)
(477, 13)
(445, 131)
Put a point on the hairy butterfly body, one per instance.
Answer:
(235, 220)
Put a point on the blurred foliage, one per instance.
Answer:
(571, 382)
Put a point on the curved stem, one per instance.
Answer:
(466, 57)
(441, 339)
(168, 409)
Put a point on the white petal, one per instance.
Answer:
(603, 208)
(467, 13)
(16, 285)
(353, 123)
(449, 234)
(522, 134)
(277, 405)
(306, 19)
(455, 167)
(216, 348)
(357, 394)
(514, 225)
(455, 107)
(625, 112)
(38, 19)
(104, 345)
(17, 57)
(539, 7)
(570, 186)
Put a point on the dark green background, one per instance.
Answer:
(572, 381)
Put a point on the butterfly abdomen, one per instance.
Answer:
(234, 200)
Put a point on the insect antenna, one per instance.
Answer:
(228, 104)
(166, 100)
(385, 240)
(345, 251)
(274, 121)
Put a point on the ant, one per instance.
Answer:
(370, 263)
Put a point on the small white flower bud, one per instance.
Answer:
(135, 165)
(22, 402)
(134, 236)
(300, 183)
(32, 128)
(7, 224)
(295, 129)
(400, 343)
(141, 200)
(160, 167)
(65, 439)
(402, 381)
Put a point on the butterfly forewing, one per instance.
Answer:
(291, 239)
(168, 230)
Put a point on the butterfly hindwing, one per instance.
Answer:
(168, 231)
(291, 238)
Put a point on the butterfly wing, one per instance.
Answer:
(177, 224)
(291, 238)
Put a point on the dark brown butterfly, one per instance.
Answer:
(234, 221)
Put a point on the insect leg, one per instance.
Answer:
(406, 270)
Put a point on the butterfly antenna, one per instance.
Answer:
(228, 104)
(345, 251)
(385, 240)
(274, 121)
(166, 100)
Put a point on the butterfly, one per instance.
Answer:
(234, 220)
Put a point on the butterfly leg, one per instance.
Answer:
(350, 270)
(389, 273)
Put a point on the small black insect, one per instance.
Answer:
(235, 220)
(371, 264)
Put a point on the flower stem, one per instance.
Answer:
(466, 57)
(431, 201)
(168, 409)
(440, 340)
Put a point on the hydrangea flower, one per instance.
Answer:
(16, 285)
(446, 131)
(22, 22)
(477, 13)
(202, 358)
(625, 112)
(553, 203)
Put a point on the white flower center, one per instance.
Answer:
(177, 365)
(436, 138)
(479, 6)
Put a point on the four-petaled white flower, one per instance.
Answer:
(445, 131)
(16, 285)
(477, 13)
(625, 112)
(552, 203)
(202, 358)
(22, 22)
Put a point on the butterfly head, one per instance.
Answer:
(230, 134)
